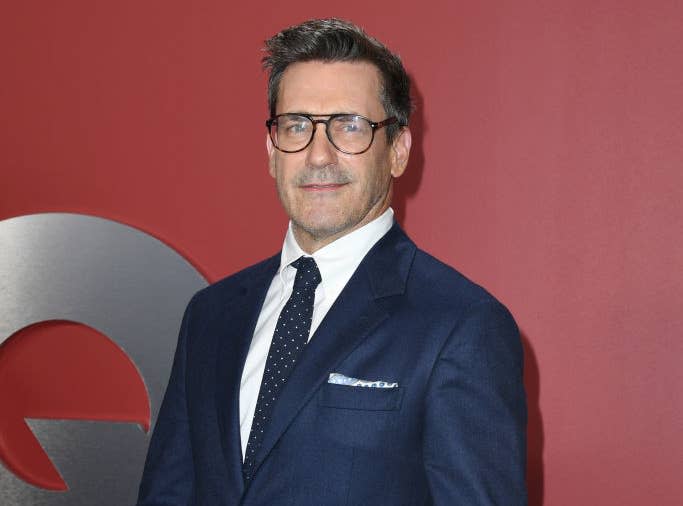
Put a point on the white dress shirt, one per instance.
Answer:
(337, 262)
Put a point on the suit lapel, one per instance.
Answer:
(354, 315)
(235, 329)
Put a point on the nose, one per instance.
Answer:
(320, 152)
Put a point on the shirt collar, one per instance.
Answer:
(338, 260)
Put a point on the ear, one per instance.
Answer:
(400, 151)
(271, 155)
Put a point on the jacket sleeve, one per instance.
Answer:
(475, 422)
(168, 475)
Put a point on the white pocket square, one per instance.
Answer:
(339, 379)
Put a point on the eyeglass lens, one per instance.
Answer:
(348, 133)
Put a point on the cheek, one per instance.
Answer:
(378, 177)
(279, 170)
(287, 166)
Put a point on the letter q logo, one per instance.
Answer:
(89, 314)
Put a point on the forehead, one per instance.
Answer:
(318, 87)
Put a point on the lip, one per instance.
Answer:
(328, 187)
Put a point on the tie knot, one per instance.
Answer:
(307, 273)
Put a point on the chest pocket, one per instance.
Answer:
(360, 398)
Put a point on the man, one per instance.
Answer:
(351, 368)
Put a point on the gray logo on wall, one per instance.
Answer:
(123, 287)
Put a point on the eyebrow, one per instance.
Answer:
(301, 113)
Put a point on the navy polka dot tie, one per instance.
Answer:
(289, 339)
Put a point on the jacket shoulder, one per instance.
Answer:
(236, 283)
(445, 286)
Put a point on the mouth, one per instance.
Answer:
(322, 187)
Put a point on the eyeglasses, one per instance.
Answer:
(349, 133)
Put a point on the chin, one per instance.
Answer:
(321, 229)
(315, 219)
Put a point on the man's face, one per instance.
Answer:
(327, 193)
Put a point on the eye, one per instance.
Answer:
(294, 126)
(297, 127)
(348, 125)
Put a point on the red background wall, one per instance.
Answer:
(548, 167)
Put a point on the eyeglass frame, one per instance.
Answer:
(374, 125)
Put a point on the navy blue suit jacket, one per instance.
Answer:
(452, 432)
